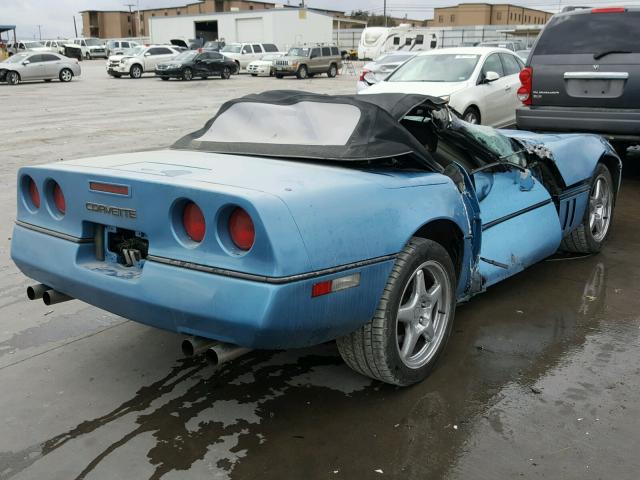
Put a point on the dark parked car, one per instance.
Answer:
(583, 75)
(193, 63)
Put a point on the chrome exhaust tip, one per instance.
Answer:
(36, 291)
(223, 352)
(51, 297)
(192, 346)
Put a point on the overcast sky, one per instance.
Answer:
(56, 16)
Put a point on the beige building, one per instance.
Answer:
(124, 24)
(487, 14)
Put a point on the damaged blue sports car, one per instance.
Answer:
(292, 219)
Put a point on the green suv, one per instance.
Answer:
(305, 62)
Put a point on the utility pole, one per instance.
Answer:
(138, 6)
(385, 13)
(75, 28)
(130, 5)
(39, 32)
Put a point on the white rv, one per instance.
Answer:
(376, 41)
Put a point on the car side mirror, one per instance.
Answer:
(26, 62)
(147, 54)
(490, 77)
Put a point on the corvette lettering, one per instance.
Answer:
(108, 210)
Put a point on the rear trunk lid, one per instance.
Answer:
(588, 59)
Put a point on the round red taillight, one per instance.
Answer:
(241, 229)
(525, 75)
(34, 194)
(193, 222)
(58, 198)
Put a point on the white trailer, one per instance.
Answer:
(375, 41)
(284, 27)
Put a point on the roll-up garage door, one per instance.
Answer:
(249, 29)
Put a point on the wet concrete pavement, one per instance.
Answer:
(540, 378)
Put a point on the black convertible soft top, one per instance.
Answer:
(295, 124)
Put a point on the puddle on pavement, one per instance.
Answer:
(272, 413)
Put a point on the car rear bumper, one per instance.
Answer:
(615, 124)
(249, 313)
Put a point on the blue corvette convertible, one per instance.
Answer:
(291, 219)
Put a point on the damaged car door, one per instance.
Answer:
(520, 224)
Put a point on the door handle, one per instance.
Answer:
(507, 88)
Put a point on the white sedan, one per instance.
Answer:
(479, 82)
(264, 67)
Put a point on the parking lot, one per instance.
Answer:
(539, 379)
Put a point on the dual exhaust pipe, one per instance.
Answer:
(48, 295)
(215, 352)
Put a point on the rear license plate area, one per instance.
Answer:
(594, 88)
(121, 246)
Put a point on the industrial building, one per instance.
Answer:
(264, 26)
(466, 14)
(135, 23)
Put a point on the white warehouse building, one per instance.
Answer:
(285, 27)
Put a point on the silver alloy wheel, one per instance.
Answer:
(226, 73)
(423, 314)
(600, 205)
(13, 78)
(187, 74)
(136, 71)
(66, 75)
(333, 71)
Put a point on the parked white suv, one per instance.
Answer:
(91, 47)
(26, 46)
(55, 46)
(117, 47)
(245, 53)
(139, 60)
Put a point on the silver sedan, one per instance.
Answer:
(24, 67)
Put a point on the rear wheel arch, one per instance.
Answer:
(448, 234)
(476, 109)
(615, 169)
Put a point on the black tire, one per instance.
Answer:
(587, 238)
(12, 78)
(254, 74)
(279, 77)
(472, 115)
(166, 79)
(226, 73)
(66, 75)
(303, 72)
(272, 72)
(87, 56)
(187, 74)
(135, 71)
(373, 349)
(237, 72)
(333, 71)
